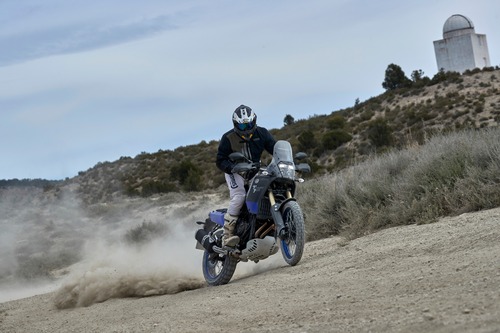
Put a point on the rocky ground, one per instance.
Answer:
(441, 277)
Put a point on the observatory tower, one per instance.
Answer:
(461, 48)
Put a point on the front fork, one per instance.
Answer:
(276, 213)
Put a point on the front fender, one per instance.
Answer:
(278, 219)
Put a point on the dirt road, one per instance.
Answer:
(441, 277)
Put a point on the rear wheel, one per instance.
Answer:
(218, 269)
(292, 243)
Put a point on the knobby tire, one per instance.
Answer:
(292, 245)
(218, 270)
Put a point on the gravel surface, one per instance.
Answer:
(441, 277)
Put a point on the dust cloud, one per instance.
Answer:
(40, 233)
(50, 241)
(137, 259)
(132, 247)
(163, 266)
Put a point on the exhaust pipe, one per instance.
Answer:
(203, 237)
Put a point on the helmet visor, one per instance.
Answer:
(245, 126)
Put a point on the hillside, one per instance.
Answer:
(397, 118)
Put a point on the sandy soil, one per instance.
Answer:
(441, 277)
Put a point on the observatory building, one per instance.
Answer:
(461, 48)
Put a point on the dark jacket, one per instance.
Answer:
(252, 149)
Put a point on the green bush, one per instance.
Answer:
(379, 133)
(193, 182)
(307, 141)
(335, 138)
(336, 122)
(151, 186)
(188, 174)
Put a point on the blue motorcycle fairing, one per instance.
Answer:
(256, 191)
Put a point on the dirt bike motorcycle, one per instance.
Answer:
(270, 216)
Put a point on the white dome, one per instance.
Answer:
(457, 25)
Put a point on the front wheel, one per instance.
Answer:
(292, 243)
(218, 270)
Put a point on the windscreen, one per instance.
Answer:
(282, 152)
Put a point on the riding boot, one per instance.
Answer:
(229, 239)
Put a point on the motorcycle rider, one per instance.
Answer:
(251, 140)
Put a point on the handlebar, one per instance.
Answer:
(245, 167)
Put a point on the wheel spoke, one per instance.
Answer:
(292, 244)
(218, 270)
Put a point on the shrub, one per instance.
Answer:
(188, 174)
(146, 232)
(307, 140)
(379, 133)
(335, 138)
(336, 122)
(150, 187)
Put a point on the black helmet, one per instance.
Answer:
(245, 121)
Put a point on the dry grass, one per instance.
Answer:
(448, 175)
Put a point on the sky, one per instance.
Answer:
(87, 81)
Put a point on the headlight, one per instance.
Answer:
(287, 170)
